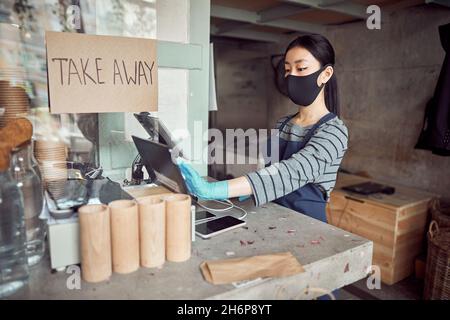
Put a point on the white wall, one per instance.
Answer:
(172, 25)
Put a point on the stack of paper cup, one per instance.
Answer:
(14, 102)
(51, 156)
(178, 227)
(124, 235)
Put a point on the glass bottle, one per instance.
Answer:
(31, 187)
(13, 258)
(35, 164)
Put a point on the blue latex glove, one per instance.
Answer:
(243, 198)
(202, 188)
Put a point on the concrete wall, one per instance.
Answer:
(241, 86)
(385, 78)
(241, 71)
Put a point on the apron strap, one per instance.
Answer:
(322, 120)
(311, 131)
(286, 121)
(287, 151)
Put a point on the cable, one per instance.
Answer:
(231, 205)
(243, 210)
(224, 202)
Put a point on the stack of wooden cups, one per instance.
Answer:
(14, 102)
(127, 234)
(51, 156)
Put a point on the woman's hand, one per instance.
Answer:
(200, 187)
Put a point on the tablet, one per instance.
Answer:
(203, 216)
(217, 226)
(157, 157)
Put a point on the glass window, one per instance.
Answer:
(23, 62)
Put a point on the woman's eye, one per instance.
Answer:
(301, 69)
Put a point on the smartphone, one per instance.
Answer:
(203, 216)
(214, 227)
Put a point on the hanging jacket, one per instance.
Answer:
(435, 135)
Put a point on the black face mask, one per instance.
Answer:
(303, 90)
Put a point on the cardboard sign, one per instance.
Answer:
(89, 73)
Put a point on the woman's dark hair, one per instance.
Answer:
(322, 50)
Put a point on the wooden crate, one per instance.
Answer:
(395, 223)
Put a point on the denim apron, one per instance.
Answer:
(309, 199)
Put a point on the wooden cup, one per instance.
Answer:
(124, 235)
(152, 231)
(178, 227)
(95, 241)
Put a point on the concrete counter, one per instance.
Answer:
(331, 257)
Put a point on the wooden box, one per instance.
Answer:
(395, 223)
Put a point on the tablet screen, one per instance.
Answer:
(217, 225)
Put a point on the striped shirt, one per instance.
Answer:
(318, 162)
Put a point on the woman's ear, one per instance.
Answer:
(325, 75)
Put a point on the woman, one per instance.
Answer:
(312, 142)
